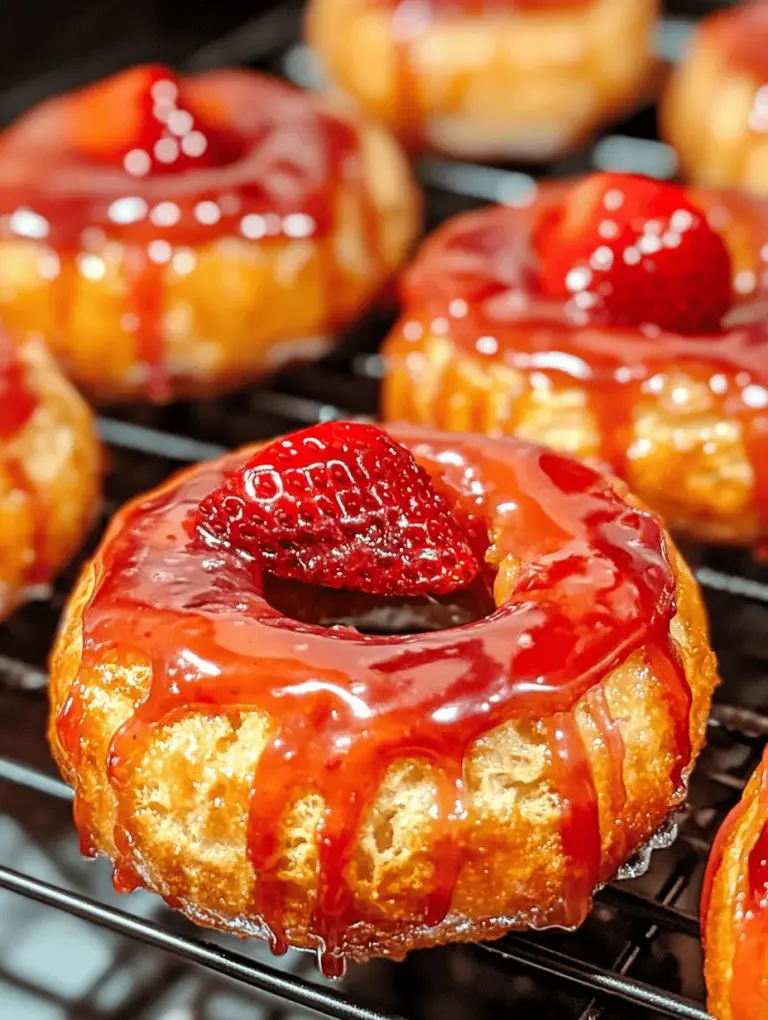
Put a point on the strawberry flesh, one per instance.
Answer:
(629, 251)
(142, 120)
(343, 506)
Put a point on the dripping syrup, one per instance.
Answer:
(476, 284)
(283, 180)
(350, 704)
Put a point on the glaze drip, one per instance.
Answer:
(594, 586)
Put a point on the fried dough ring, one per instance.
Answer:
(506, 84)
(232, 308)
(185, 797)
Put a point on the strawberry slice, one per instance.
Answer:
(142, 120)
(340, 505)
(631, 251)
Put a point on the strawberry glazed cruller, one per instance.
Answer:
(242, 743)
(485, 79)
(172, 236)
(734, 908)
(616, 318)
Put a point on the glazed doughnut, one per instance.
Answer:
(182, 236)
(50, 469)
(532, 321)
(715, 110)
(365, 793)
(488, 79)
(734, 908)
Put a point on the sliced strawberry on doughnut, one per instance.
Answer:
(632, 251)
(143, 121)
(341, 505)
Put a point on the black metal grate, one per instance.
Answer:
(638, 953)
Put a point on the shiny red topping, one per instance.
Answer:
(142, 120)
(341, 505)
(630, 251)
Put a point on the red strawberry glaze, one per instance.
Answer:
(595, 584)
(749, 978)
(274, 168)
(18, 403)
(476, 283)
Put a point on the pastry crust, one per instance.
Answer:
(50, 475)
(736, 953)
(232, 309)
(714, 111)
(525, 84)
(683, 447)
(187, 796)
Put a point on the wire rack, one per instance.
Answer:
(638, 954)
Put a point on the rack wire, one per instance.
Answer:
(638, 953)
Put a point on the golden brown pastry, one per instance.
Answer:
(50, 469)
(178, 236)
(734, 909)
(715, 111)
(615, 318)
(245, 738)
(488, 78)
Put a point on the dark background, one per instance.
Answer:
(51, 44)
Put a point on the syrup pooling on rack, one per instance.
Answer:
(476, 284)
(147, 167)
(594, 586)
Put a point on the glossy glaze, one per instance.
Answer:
(749, 978)
(476, 283)
(594, 586)
(282, 181)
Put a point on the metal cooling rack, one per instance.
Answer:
(638, 954)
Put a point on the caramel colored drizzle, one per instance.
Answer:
(344, 706)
